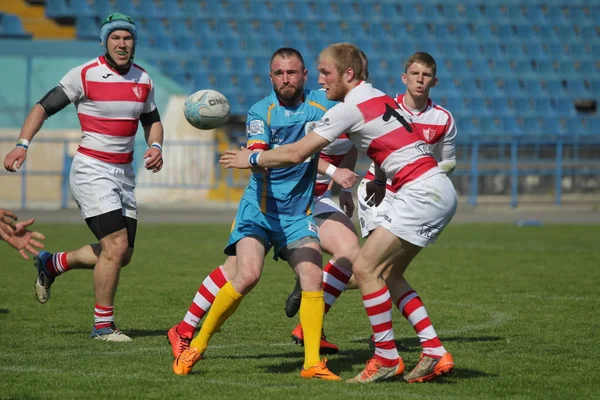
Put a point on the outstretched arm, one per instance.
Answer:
(279, 157)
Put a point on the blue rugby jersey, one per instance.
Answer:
(284, 192)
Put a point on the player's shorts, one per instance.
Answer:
(100, 187)
(420, 210)
(250, 221)
(369, 217)
(323, 207)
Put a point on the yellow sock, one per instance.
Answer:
(225, 304)
(312, 310)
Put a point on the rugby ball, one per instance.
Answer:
(206, 109)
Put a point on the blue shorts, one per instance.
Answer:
(250, 221)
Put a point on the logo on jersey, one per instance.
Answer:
(309, 126)
(429, 134)
(289, 113)
(255, 127)
(106, 76)
(323, 122)
(428, 231)
(137, 91)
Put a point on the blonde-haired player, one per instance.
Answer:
(423, 203)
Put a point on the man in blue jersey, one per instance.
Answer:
(276, 210)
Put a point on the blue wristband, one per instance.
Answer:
(253, 159)
(379, 183)
(24, 143)
(157, 145)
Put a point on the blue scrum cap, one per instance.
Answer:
(114, 22)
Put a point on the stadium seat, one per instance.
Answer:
(490, 87)
(87, 28)
(82, 9)
(58, 9)
(511, 126)
(544, 107)
(500, 107)
(11, 27)
(577, 89)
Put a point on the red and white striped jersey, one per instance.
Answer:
(371, 118)
(334, 153)
(109, 106)
(438, 129)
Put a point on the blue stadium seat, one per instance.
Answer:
(523, 105)
(103, 8)
(596, 15)
(465, 126)
(159, 8)
(535, 15)
(511, 126)
(478, 106)
(595, 84)
(574, 126)
(128, 8)
(591, 125)
(565, 107)
(58, 9)
(87, 28)
(11, 27)
(551, 126)
(500, 107)
(490, 87)
(496, 13)
(577, 89)
(532, 126)
(557, 17)
(82, 9)
(544, 107)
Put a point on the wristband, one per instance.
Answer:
(157, 145)
(347, 190)
(24, 143)
(330, 170)
(253, 159)
(378, 182)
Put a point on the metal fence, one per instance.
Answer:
(507, 169)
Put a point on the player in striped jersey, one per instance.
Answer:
(112, 95)
(439, 131)
(423, 203)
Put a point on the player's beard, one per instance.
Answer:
(291, 96)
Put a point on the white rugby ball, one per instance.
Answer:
(206, 109)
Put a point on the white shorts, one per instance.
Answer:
(369, 217)
(323, 204)
(100, 187)
(420, 210)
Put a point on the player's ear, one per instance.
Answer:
(435, 81)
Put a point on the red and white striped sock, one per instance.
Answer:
(104, 316)
(202, 302)
(335, 280)
(57, 264)
(411, 306)
(379, 311)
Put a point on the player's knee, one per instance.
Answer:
(246, 277)
(115, 247)
(346, 254)
(127, 257)
(362, 271)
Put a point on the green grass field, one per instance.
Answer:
(515, 306)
